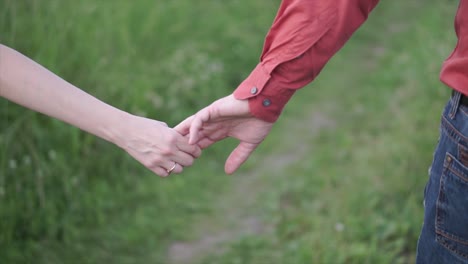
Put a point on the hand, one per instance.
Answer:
(156, 146)
(226, 117)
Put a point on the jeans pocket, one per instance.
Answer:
(452, 207)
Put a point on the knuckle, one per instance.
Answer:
(166, 151)
(172, 139)
(156, 161)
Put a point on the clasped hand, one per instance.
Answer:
(165, 151)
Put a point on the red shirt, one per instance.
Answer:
(306, 34)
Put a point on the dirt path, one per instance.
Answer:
(234, 215)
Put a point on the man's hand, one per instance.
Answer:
(226, 117)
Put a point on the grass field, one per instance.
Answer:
(339, 180)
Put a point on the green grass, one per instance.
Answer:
(353, 196)
(70, 197)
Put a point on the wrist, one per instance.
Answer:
(117, 129)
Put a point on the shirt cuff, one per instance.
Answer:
(266, 96)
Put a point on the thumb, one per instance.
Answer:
(238, 156)
(184, 126)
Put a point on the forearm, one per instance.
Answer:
(27, 83)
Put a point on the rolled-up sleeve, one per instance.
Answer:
(304, 36)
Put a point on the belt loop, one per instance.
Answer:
(456, 96)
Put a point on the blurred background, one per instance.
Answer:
(339, 180)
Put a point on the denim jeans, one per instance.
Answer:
(444, 235)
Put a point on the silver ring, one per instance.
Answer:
(171, 169)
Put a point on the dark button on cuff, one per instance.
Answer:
(254, 90)
(266, 102)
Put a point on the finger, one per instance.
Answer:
(160, 171)
(182, 158)
(173, 168)
(183, 127)
(178, 169)
(238, 156)
(194, 129)
(201, 117)
(170, 167)
(183, 145)
(205, 142)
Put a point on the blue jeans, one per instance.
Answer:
(444, 235)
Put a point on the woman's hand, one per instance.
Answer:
(155, 145)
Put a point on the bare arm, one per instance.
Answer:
(27, 83)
